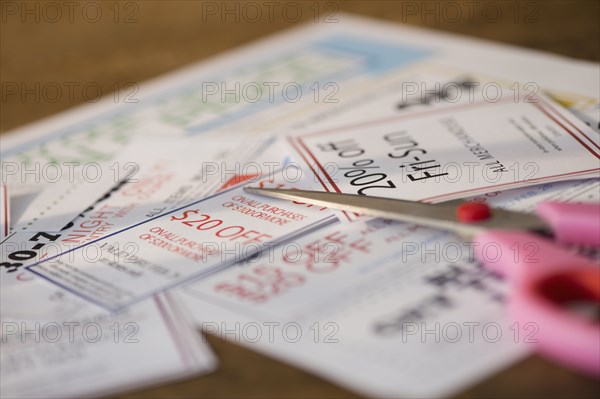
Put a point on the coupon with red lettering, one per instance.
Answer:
(457, 150)
(55, 344)
(166, 175)
(384, 308)
(100, 351)
(377, 306)
(189, 242)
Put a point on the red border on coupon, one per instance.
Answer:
(561, 116)
(552, 114)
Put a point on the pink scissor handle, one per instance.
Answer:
(546, 281)
(572, 223)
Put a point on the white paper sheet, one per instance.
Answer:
(384, 308)
(57, 345)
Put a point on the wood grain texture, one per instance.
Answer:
(169, 34)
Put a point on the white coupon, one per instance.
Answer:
(453, 151)
(384, 308)
(376, 306)
(189, 242)
(56, 345)
(165, 175)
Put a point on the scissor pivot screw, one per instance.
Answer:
(473, 212)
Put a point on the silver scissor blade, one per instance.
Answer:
(441, 215)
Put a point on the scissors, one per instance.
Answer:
(551, 285)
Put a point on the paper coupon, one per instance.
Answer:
(166, 175)
(189, 242)
(453, 151)
(55, 344)
(387, 309)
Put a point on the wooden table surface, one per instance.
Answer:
(132, 42)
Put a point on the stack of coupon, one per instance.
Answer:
(126, 228)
